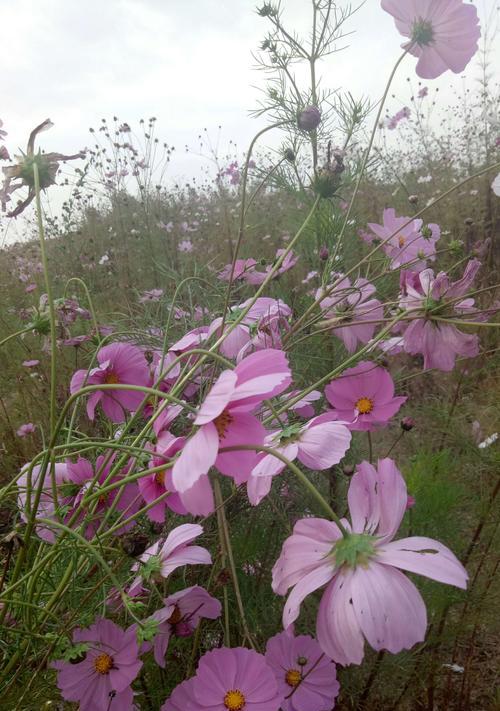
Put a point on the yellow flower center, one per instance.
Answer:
(234, 700)
(160, 478)
(111, 378)
(222, 422)
(364, 405)
(103, 663)
(293, 677)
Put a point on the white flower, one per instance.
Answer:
(496, 185)
(488, 441)
(104, 259)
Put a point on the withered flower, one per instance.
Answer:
(22, 174)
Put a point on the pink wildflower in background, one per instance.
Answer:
(367, 596)
(225, 419)
(241, 268)
(180, 617)
(185, 246)
(152, 295)
(264, 307)
(31, 363)
(119, 363)
(364, 396)
(306, 676)
(406, 243)
(101, 682)
(46, 506)
(443, 34)
(26, 429)
(350, 311)
(428, 295)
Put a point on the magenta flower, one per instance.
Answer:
(162, 558)
(443, 34)
(75, 480)
(435, 296)
(318, 445)
(180, 617)
(407, 243)
(225, 419)
(367, 595)
(119, 363)
(101, 682)
(235, 679)
(198, 500)
(154, 486)
(83, 478)
(351, 311)
(306, 676)
(364, 394)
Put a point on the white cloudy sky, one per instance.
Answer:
(188, 62)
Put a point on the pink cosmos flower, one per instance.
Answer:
(119, 363)
(264, 309)
(367, 596)
(350, 304)
(151, 295)
(291, 259)
(180, 617)
(163, 557)
(31, 363)
(225, 419)
(411, 243)
(182, 698)
(101, 682)
(185, 246)
(241, 267)
(318, 445)
(26, 429)
(306, 676)
(198, 500)
(443, 34)
(235, 679)
(364, 394)
(440, 342)
(83, 478)
(46, 508)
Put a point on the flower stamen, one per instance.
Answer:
(234, 700)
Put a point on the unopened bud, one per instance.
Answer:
(289, 155)
(309, 118)
(348, 469)
(407, 423)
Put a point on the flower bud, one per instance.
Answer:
(348, 469)
(413, 199)
(407, 424)
(324, 253)
(289, 155)
(309, 118)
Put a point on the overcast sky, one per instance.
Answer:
(187, 62)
